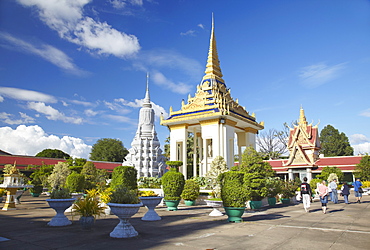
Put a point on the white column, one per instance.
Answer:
(195, 139)
(185, 160)
(290, 174)
(309, 174)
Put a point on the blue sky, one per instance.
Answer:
(72, 72)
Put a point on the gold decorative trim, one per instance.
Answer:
(178, 126)
(209, 122)
(251, 130)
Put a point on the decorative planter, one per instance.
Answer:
(285, 200)
(234, 214)
(60, 205)
(214, 205)
(172, 204)
(151, 202)
(35, 194)
(189, 203)
(124, 212)
(87, 222)
(255, 204)
(271, 201)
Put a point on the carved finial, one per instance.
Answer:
(237, 100)
(262, 123)
(171, 109)
(253, 115)
(302, 117)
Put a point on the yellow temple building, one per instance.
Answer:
(214, 118)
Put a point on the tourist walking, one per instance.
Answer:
(334, 192)
(323, 193)
(358, 190)
(345, 192)
(306, 194)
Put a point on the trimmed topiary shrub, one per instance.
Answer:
(233, 193)
(191, 190)
(173, 183)
(75, 182)
(125, 176)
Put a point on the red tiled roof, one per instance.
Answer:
(23, 161)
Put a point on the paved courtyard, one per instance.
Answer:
(281, 227)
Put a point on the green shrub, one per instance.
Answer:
(125, 176)
(75, 182)
(289, 188)
(62, 193)
(173, 184)
(233, 193)
(37, 189)
(191, 190)
(149, 182)
(174, 164)
(124, 195)
(77, 169)
(313, 184)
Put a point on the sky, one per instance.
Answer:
(73, 72)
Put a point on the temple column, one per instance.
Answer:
(195, 153)
(309, 174)
(290, 174)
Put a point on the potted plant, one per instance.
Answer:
(60, 200)
(190, 192)
(36, 190)
(233, 194)
(174, 164)
(150, 199)
(88, 208)
(273, 185)
(288, 189)
(173, 183)
(124, 203)
(256, 173)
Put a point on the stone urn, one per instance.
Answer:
(151, 202)
(215, 205)
(124, 212)
(60, 205)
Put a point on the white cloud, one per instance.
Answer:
(360, 144)
(158, 110)
(201, 26)
(358, 138)
(365, 113)
(53, 114)
(318, 74)
(161, 80)
(186, 68)
(29, 140)
(26, 95)
(188, 33)
(67, 18)
(116, 107)
(119, 118)
(45, 51)
(8, 118)
(90, 112)
(120, 4)
(1, 98)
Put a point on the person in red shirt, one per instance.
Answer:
(323, 193)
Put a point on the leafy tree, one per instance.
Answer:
(107, 149)
(218, 166)
(90, 172)
(363, 168)
(53, 153)
(59, 175)
(75, 182)
(78, 162)
(334, 143)
(326, 171)
(124, 176)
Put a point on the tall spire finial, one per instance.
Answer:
(147, 96)
(213, 69)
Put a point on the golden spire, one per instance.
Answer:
(213, 69)
(302, 117)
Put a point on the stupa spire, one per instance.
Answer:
(213, 69)
(302, 117)
(146, 102)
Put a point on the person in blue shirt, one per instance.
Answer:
(357, 185)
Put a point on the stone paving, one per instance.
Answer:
(281, 227)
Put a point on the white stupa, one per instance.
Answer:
(145, 153)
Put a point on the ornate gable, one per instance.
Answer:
(303, 144)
